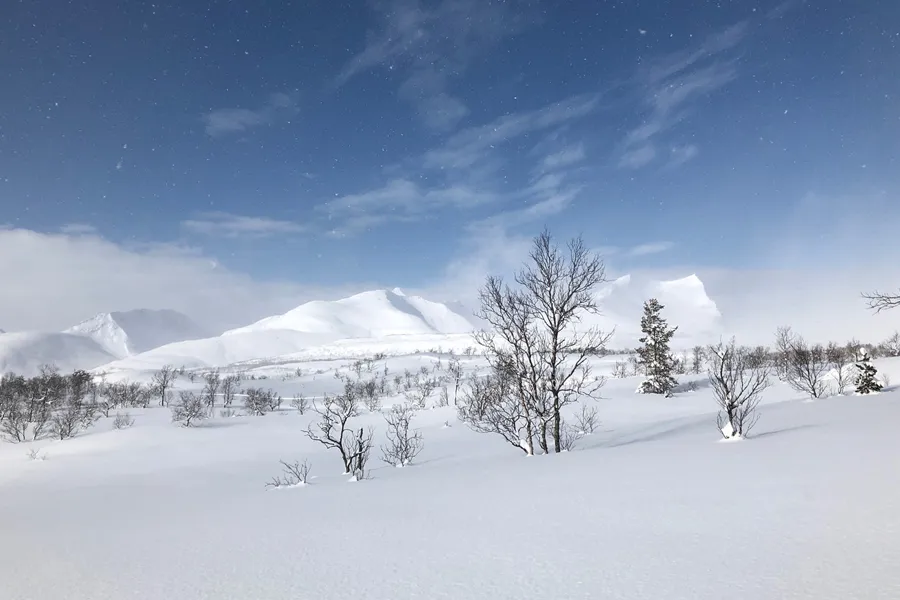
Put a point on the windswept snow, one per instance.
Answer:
(132, 332)
(25, 352)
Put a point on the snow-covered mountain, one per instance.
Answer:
(373, 314)
(25, 352)
(385, 316)
(131, 332)
(686, 305)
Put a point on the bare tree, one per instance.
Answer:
(892, 345)
(587, 420)
(805, 366)
(191, 408)
(73, 414)
(163, 381)
(879, 301)
(697, 358)
(231, 384)
(838, 359)
(294, 474)
(212, 381)
(300, 403)
(258, 401)
(333, 427)
(493, 404)
(403, 445)
(737, 387)
(454, 368)
(783, 338)
(541, 337)
(423, 386)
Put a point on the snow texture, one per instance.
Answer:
(649, 506)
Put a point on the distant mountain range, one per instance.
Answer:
(147, 339)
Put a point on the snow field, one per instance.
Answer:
(649, 506)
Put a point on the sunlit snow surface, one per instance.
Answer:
(649, 506)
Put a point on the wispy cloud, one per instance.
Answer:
(470, 146)
(224, 121)
(398, 200)
(78, 229)
(649, 248)
(223, 224)
(432, 43)
(564, 158)
(679, 155)
(671, 84)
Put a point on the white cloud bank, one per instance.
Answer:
(54, 280)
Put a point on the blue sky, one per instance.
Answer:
(398, 141)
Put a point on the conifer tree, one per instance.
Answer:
(866, 383)
(654, 355)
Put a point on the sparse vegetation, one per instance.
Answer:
(293, 474)
(403, 444)
(190, 409)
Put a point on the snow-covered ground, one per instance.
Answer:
(652, 505)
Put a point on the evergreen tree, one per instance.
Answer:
(654, 355)
(866, 383)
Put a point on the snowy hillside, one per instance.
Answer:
(25, 352)
(371, 314)
(132, 332)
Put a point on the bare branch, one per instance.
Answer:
(878, 301)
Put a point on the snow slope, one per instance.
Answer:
(221, 351)
(132, 332)
(650, 506)
(370, 314)
(25, 352)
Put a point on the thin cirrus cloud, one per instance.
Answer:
(222, 122)
(223, 224)
(649, 248)
(398, 200)
(670, 85)
(432, 44)
(466, 167)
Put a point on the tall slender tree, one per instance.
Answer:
(654, 356)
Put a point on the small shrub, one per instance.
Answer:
(123, 421)
(293, 474)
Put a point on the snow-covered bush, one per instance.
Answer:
(123, 421)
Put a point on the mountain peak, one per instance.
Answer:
(123, 333)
